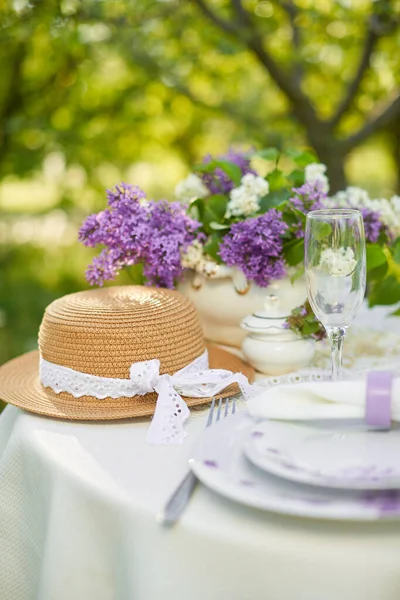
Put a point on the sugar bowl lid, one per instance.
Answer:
(261, 322)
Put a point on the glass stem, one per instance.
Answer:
(336, 338)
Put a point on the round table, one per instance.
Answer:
(78, 506)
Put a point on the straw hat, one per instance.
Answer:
(102, 332)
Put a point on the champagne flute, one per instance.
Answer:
(335, 268)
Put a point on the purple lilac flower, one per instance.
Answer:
(309, 196)
(219, 182)
(255, 247)
(373, 226)
(134, 230)
(171, 232)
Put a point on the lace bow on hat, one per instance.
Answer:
(195, 380)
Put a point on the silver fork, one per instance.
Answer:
(181, 496)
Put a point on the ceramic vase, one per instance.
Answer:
(224, 299)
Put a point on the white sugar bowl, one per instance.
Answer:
(272, 349)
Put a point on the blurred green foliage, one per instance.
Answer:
(92, 92)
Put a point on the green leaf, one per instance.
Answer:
(268, 154)
(297, 274)
(377, 264)
(375, 256)
(211, 247)
(273, 200)
(214, 211)
(288, 216)
(218, 226)
(296, 178)
(196, 209)
(299, 215)
(322, 231)
(276, 180)
(378, 273)
(310, 318)
(294, 252)
(232, 170)
(385, 292)
(217, 204)
(310, 328)
(396, 252)
(302, 158)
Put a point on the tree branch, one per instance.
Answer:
(297, 68)
(223, 24)
(247, 34)
(13, 99)
(292, 11)
(240, 11)
(369, 44)
(391, 112)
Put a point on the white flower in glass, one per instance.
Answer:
(337, 263)
(316, 172)
(191, 187)
(245, 199)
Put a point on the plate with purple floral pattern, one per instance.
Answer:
(219, 463)
(343, 454)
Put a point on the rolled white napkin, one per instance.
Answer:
(317, 400)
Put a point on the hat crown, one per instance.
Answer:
(104, 331)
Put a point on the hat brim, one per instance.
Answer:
(20, 386)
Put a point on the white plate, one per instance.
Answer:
(337, 454)
(219, 463)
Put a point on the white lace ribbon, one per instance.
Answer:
(195, 380)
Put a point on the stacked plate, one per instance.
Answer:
(320, 469)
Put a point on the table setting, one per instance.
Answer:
(141, 458)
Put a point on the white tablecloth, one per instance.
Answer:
(77, 522)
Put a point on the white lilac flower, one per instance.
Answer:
(195, 259)
(316, 172)
(191, 187)
(245, 199)
(242, 203)
(193, 256)
(351, 197)
(208, 267)
(255, 184)
(386, 209)
(355, 197)
(395, 202)
(337, 262)
(395, 206)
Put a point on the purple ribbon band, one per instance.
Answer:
(379, 397)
